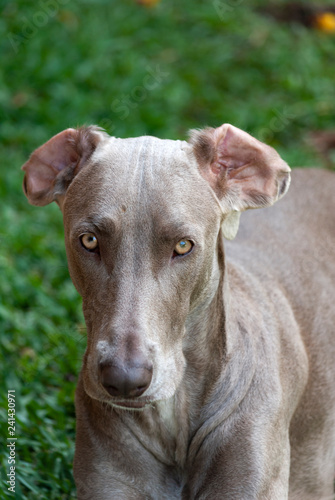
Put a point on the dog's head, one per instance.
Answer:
(142, 221)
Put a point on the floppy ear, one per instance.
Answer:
(243, 172)
(52, 167)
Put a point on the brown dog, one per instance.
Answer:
(210, 370)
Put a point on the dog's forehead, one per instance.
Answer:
(138, 173)
(142, 159)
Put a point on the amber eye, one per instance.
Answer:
(183, 247)
(89, 241)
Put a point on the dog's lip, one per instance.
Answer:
(133, 405)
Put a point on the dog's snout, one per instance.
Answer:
(128, 380)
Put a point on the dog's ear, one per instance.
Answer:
(243, 172)
(52, 167)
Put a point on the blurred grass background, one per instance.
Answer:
(134, 70)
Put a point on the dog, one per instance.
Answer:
(210, 364)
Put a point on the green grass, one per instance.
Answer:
(134, 71)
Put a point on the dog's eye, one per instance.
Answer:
(183, 247)
(89, 241)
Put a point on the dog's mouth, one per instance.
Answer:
(130, 405)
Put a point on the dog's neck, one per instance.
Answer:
(228, 371)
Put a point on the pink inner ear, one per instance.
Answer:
(239, 168)
(59, 152)
(49, 160)
(234, 149)
(40, 178)
(255, 171)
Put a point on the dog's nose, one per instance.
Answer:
(130, 380)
